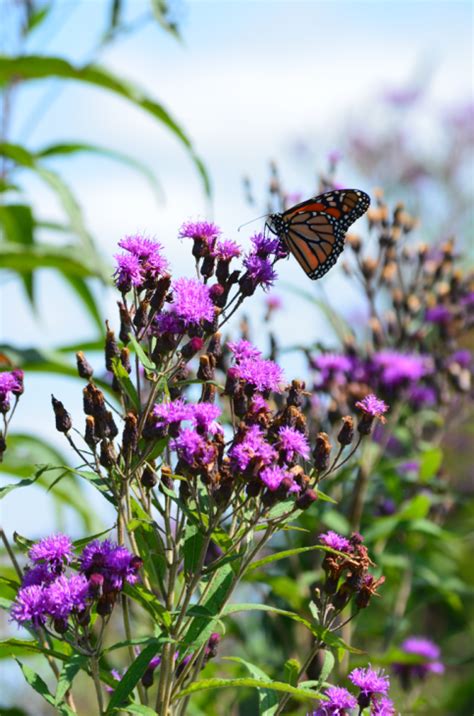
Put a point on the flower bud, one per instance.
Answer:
(148, 478)
(306, 499)
(322, 452)
(130, 433)
(125, 323)
(94, 402)
(346, 433)
(83, 366)
(108, 456)
(206, 368)
(63, 419)
(141, 316)
(19, 376)
(125, 359)
(192, 347)
(90, 437)
(159, 296)
(111, 348)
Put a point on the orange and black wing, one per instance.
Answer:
(314, 230)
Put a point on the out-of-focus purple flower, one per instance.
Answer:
(370, 681)
(462, 357)
(30, 605)
(409, 466)
(332, 366)
(191, 302)
(272, 477)
(335, 541)
(263, 375)
(468, 299)
(260, 271)
(114, 562)
(55, 551)
(291, 442)
(117, 676)
(403, 97)
(67, 594)
(386, 507)
(397, 369)
(205, 230)
(252, 446)
(372, 406)
(273, 302)
(339, 700)
(428, 651)
(243, 349)
(382, 706)
(422, 395)
(227, 250)
(438, 314)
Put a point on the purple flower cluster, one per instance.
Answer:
(11, 383)
(192, 304)
(429, 661)
(189, 440)
(373, 689)
(142, 263)
(263, 376)
(47, 593)
(259, 263)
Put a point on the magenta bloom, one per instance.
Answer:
(339, 701)
(252, 446)
(55, 551)
(264, 246)
(372, 406)
(397, 369)
(204, 416)
(438, 314)
(243, 349)
(260, 271)
(274, 302)
(263, 375)
(113, 562)
(272, 477)
(39, 574)
(420, 395)
(204, 230)
(227, 250)
(142, 261)
(462, 357)
(10, 383)
(171, 413)
(292, 443)
(129, 272)
(382, 706)
(430, 663)
(191, 302)
(66, 595)
(370, 681)
(335, 541)
(30, 605)
(191, 447)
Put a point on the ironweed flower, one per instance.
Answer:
(371, 683)
(339, 701)
(430, 663)
(11, 383)
(54, 552)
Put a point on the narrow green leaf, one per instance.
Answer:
(282, 555)
(142, 356)
(291, 670)
(67, 675)
(201, 627)
(192, 547)
(267, 699)
(125, 383)
(31, 67)
(280, 686)
(327, 667)
(139, 709)
(9, 647)
(149, 602)
(132, 676)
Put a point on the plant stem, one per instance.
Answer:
(96, 679)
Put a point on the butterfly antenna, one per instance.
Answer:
(252, 220)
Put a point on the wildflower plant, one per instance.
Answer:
(202, 448)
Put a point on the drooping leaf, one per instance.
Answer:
(267, 699)
(279, 686)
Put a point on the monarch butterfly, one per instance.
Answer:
(314, 230)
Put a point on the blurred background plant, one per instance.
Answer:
(418, 509)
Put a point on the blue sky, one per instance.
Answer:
(249, 80)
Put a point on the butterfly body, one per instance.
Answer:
(314, 230)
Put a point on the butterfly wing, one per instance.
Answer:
(314, 230)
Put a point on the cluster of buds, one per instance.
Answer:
(11, 384)
(346, 566)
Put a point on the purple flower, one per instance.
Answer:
(335, 541)
(243, 349)
(273, 302)
(438, 314)
(66, 595)
(140, 246)
(204, 415)
(462, 358)
(192, 302)
(128, 272)
(272, 477)
(114, 562)
(370, 681)
(372, 406)
(420, 395)
(30, 605)
(173, 412)
(382, 706)
(117, 676)
(428, 651)
(55, 551)
(468, 299)
(291, 442)
(396, 369)
(252, 446)
(39, 574)
(204, 230)
(263, 375)
(264, 246)
(10, 382)
(191, 447)
(339, 700)
(227, 250)
(333, 367)
(167, 323)
(260, 271)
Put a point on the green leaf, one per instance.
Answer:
(138, 709)
(37, 683)
(31, 67)
(65, 149)
(79, 544)
(8, 647)
(327, 667)
(291, 670)
(149, 602)
(192, 547)
(67, 259)
(150, 544)
(142, 356)
(85, 295)
(267, 699)
(430, 463)
(280, 686)
(125, 383)
(201, 627)
(282, 555)
(67, 675)
(132, 676)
